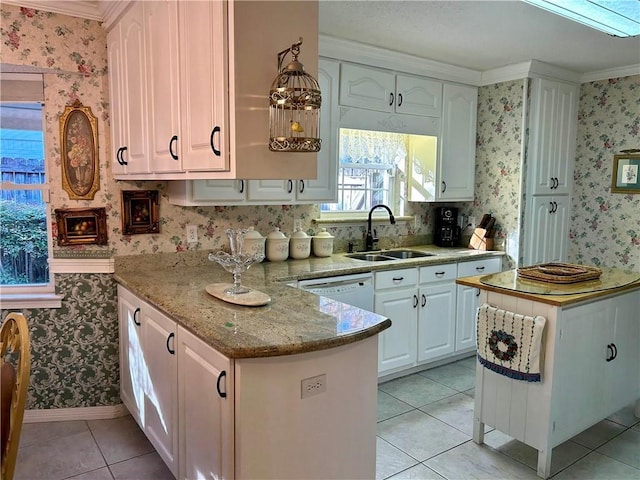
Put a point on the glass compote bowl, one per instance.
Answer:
(236, 262)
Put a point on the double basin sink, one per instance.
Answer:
(388, 255)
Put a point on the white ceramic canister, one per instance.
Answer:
(300, 245)
(253, 242)
(323, 244)
(277, 246)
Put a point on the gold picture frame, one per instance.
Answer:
(140, 212)
(79, 152)
(626, 172)
(81, 226)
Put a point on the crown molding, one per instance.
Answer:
(616, 72)
(78, 8)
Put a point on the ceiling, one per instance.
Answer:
(476, 34)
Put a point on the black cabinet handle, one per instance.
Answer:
(479, 269)
(301, 189)
(615, 351)
(477, 292)
(440, 274)
(398, 279)
(135, 315)
(223, 374)
(399, 99)
(121, 159)
(555, 207)
(216, 152)
(415, 301)
(391, 99)
(241, 186)
(171, 351)
(289, 186)
(424, 300)
(172, 142)
(444, 186)
(609, 349)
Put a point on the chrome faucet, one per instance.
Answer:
(370, 240)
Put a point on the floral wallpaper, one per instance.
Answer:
(605, 226)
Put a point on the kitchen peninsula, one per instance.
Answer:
(590, 355)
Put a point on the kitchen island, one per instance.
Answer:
(590, 353)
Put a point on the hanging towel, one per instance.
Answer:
(510, 343)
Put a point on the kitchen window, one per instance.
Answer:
(25, 220)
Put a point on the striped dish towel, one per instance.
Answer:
(510, 343)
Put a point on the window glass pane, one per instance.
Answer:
(23, 215)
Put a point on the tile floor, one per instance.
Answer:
(424, 432)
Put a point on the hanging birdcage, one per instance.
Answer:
(294, 107)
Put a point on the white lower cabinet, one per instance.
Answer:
(432, 317)
(206, 399)
(467, 301)
(149, 373)
(437, 314)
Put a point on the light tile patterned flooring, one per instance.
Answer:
(424, 432)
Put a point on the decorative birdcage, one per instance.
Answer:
(294, 107)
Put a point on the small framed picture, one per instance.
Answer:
(626, 173)
(140, 212)
(81, 226)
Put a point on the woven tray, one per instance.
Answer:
(556, 272)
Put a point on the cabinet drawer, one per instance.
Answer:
(406, 277)
(438, 273)
(480, 267)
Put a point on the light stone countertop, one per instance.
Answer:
(293, 322)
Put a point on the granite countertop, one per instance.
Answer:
(293, 322)
(612, 280)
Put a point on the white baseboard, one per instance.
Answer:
(79, 413)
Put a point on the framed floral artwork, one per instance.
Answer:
(140, 212)
(79, 152)
(626, 172)
(81, 226)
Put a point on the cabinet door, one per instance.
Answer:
(325, 187)
(458, 151)
(161, 32)
(367, 87)
(116, 102)
(161, 389)
(204, 86)
(418, 96)
(134, 92)
(271, 190)
(131, 374)
(397, 344)
(621, 384)
(436, 321)
(552, 136)
(206, 417)
(547, 234)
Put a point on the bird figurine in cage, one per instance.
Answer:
(294, 107)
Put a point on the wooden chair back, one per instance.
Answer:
(15, 367)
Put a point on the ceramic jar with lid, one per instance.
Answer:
(277, 246)
(323, 244)
(300, 245)
(253, 242)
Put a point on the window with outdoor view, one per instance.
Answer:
(24, 215)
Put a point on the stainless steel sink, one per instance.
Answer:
(388, 255)
(402, 254)
(370, 257)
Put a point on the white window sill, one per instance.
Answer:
(31, 300)
(355, 219)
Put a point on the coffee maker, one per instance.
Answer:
(447, 231)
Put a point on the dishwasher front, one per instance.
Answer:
(356, 289)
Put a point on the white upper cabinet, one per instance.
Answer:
(552, 144)
(458, 143)
(128, 83)
(199, 110)
(386, 91)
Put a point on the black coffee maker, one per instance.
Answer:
(447, 232)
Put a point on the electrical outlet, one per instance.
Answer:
(472, 221)
(313, 386)
(297, 224)
(192, 234)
